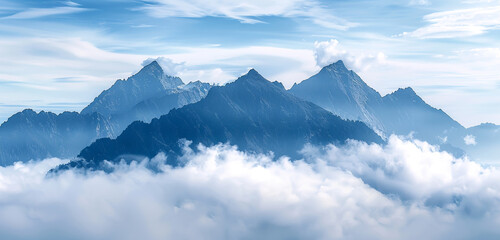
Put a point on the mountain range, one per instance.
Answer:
(152, 112)
(402, 112)
(150, 93)
(29, 135)
(342, 92)
(251, 113)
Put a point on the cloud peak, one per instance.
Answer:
(328, 52)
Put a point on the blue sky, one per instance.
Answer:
(59, 55)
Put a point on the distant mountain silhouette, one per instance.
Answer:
(486, 144)
(30, 135)
(252, 113)
(402, 112)
(148, 94)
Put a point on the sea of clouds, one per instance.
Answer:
(405, 189)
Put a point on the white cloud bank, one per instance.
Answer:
(416, 171)
(351, 192)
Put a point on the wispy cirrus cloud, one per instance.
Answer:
(72, 4)
(44, 12)
(459, 23)
(420, 2)
(247, 11)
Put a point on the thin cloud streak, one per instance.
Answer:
(459, 23)
(44, 12)
(247, 11)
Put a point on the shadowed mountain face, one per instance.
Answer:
(144, 96)
(403, 112)
(30, 135)
(150, 82)
(161, 104)
(252, 113)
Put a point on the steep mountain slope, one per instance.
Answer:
(30, 135)
(161, 104)
(148, 94)
(403, 112)
(342, 92)
(150, 82)
(252, 113)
